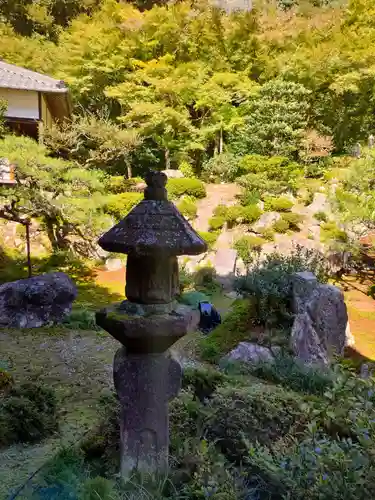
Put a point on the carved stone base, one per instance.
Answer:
(144, 384)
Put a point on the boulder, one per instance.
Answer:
(304, 283)
(246, 352)
(225, 261)
(38, 301)
(306, 343)
(266, 220)
(173, 174)
(114, 264)
(320, 328)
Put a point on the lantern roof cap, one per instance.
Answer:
(154, 226)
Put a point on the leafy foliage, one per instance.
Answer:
(179, 187)
(268, 283)
(27, 414)
(281, 204)
(248, 246)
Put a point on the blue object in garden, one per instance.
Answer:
(209, 317)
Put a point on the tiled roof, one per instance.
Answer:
(15, 77)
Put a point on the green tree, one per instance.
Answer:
(67, 199)
(274, 121)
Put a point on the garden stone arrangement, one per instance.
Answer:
(35, 302)
(152, 235)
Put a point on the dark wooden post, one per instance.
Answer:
(28, 248)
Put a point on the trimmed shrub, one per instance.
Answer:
(255, 414)
(119, 184)
(288, 372)
(27, 414)
(250, 197)
(188, 207)
(185, 186)
(223, 167)
(247, 246)
(6, 381)
(209, 237)
(204, 276)
(267, 233)
(234, 215)
(216, 223)
(321, 216)
(293, 220)
(251, 213)
(220, 211)
(203, 382)
(235, 328)
(281, 204)
(81, 319)
(120, 205)
(186, 169)
(280, 226)
(329, 231)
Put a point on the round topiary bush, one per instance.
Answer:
(281, 204)
(27, 414)
(185, 186)
(250, 415)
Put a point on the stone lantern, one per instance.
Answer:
(153, 234)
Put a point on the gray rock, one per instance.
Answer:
(114, 264)
(349, 337)
(173, 174)
(320, 325)
(304, 284)
(306, 343)
(247, 352)
(320, 204)
(38, 301)
(313, 231)
(225, 262)
(266, 220)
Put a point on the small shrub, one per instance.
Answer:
(321, 216)
(250, 415)
(371, 291)
(120, 205)
(97, 488)
(235, 328)
(220, 211)
(267, 233)
(186, 169)
(6, 381)
(216, 223)
(293, 220)
(234, 215)
(251, 213)
(224, 167)
(204, 276)
(179, 187)
(281, 226)
(119, 184)
(27, 414)
(290, 373)
(247, 246)
(250, 197)
(188, 207)
(209, 237)
(269, 283)
(81, 320)
(281, 204)
(202, 381)
(186, 418)
(329, 231)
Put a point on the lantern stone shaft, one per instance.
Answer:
(153, 234)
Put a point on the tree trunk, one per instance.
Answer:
(221, 142)
(129, 169)
(167, 159)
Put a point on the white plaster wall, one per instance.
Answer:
(21, 103)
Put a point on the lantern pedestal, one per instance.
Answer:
(144, 384)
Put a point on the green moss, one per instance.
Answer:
(329, 231)
(235, 328)
(281, 204)
(281, 226)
